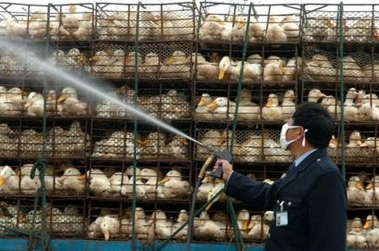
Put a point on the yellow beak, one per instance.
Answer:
(212, 106)
(221, 74)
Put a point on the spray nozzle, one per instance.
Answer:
(224, 154)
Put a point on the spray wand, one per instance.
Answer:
(223, 154)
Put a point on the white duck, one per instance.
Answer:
(173, 185)
(163, 226)
(203, 69)
(225, 67)
(201, 111)
(315, 95)
(181, 222)
(355, 234)
(207, 184)
(290, 26)
(143, 230)
(355, 190)
(250, 150)
(9, 180)
(260, 230)
(11, 102)
(129, 191)
(35, 105)
(110, 226)
(212, 28)
(288, 105)
(70, 103)
(372, 191)
(372, 235)
(72, 180)
(153, 188)
(252, 72)
(216, 193)
(99, 183)
(273, 70)
(350, 110)
(272, 111)
(27, 184)
(175, 66)
(275, 33)
(117, 180)
(222, 108)
(206, 228)
(352, 72)
(243, 219)
(247, 109)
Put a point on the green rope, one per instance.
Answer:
(40, 165)
(213, 198)
(232, 213)
(135, 129)
(342, 89)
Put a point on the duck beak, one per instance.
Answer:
(369, 186)
(1, 181)
(164, 180)
(269, 102)
(221, 74)
(170, 60)
(62, 98)
(330, 24)
(201, 102)
(359, 185)
(212, 106)
(240, 25)
(61, 179)
(27, 104)
(81, 177)
(184, 142)
(367, 225)
(106, 235)
(244, 225)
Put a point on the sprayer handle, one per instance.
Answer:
(218, 173)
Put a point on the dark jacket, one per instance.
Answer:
(314, 196)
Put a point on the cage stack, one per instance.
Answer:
(93, 153)
(245, 86)
(86, 88)
(339, 62)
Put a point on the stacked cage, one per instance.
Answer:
(128, 62)
(109, 157)
(245, 87)
(339, 53)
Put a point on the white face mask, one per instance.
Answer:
(283, 141)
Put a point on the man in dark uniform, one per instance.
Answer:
(309, 202)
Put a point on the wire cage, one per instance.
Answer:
(320, 23)
(72, 58)
(112, 221)
(21, 21)
(71, 22)
(171, 103)
(15, 64)
(95, 156)
(320, 65)
(113, 140)
(360, 23)
(145, 22)
(10, 133)
(254, 24)
(67, 219)
(155, 144)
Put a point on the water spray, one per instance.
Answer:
(79, 83)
